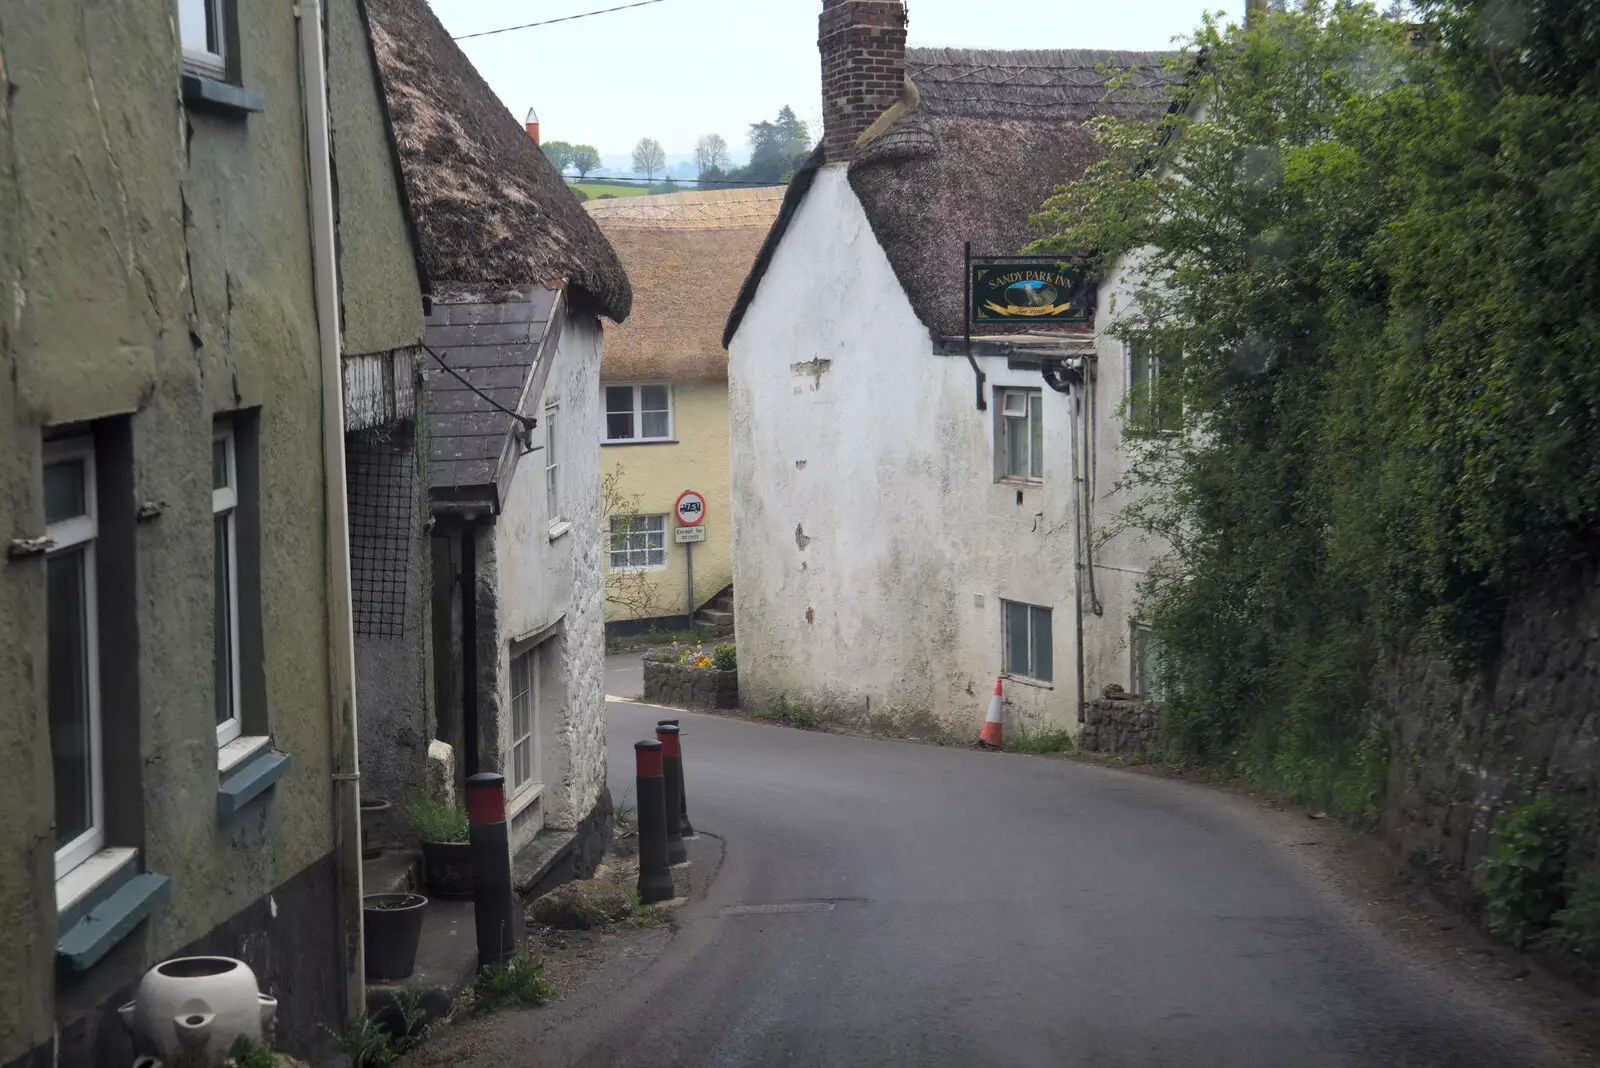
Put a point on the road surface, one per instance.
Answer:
(881, 903)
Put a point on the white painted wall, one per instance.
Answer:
(872, 543)
(549, 580)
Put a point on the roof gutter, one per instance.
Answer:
(341, 635)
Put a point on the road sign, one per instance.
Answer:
(691, 509)
(687, 535)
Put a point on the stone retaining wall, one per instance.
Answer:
(680, 686)
(1119, 725)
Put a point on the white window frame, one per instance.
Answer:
(611, 540)
(638, 389)
(525, 734)
(205, 61)
(1031, 410)
(552, 466)
(1005, 642)
(69, 535)
(1143, 422)
(225, 504)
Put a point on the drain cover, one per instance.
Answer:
(782, 906)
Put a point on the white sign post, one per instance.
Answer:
(691, 512)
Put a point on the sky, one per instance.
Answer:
(681, 68)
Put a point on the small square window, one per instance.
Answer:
(641, 412)
(1027, 644)
(638, 542)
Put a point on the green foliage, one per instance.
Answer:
(584, 158)
(1577, 927)
(1378, 262)
(1522, 874)
(370, 1044)
(649, 158)
(725, 657)
(643, 916)
(790, 714)
(435, 820)
(777, 149)
(246, 1054)
(519, 981)
(559, 153)
(1039, 742)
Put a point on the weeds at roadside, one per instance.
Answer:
(626, 818)
(519, 981)
(1040, 742)
(369, 1044)
(642, 916)
(788, 714)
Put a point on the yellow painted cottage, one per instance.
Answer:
(664, 402)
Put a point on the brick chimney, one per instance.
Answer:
(863, 46)
(531, 124)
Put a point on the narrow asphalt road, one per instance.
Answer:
(951, 907)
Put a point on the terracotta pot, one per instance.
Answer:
(393, 929)
(190, 1011)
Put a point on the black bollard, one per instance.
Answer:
(684, 827)
(655, 874)
(672, 780)
(494, 910)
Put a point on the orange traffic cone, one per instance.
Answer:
(993, 731)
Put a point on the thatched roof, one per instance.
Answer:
(686, 255)
(983, 139)
(492, 214)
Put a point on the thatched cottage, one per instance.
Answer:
(904, 500)
(664, 385)
(519, 279)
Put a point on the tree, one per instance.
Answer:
(710, 154)
(631, 594)
(777, 149)
(585, 158)
(649, 157)
(559, 153)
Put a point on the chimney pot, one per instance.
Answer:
(863, 46)
(531, 124)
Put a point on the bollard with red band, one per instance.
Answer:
(684, 827)
(493, 899)
(672, 782)
(655, 874)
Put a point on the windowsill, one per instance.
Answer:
(250, 780)
(202, 92)
(73, 888)
(635, 570)
(640, 441)
(236, 752)
(559, 528)
(530, 793)
(1013, 480)
(1027, 680)
(99, 903)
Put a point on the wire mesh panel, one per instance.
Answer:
(380, 473)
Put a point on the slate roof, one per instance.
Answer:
(497, 346)
(686, 255)
(986, 137)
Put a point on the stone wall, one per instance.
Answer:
(1119, 725)
(679, 686)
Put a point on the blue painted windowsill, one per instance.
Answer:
(109, 921)
(250, 781)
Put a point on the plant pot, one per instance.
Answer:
(447, 868)
(374, 815)
(192, 1010)
(393, 928)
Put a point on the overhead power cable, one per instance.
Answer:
(552, 22)
(528, 422)
(604, 179)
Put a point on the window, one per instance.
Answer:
(638, 542)
(639, 412)
(1026, 639)
(552, 482)
(522, 762)
(73, 659)
(1155, 397)
(1019, 433)
(1148, 662)
(225, 580)
(201, 29)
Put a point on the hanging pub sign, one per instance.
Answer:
(1022, 291)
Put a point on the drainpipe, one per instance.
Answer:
(341, 639)
(1062, 377)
